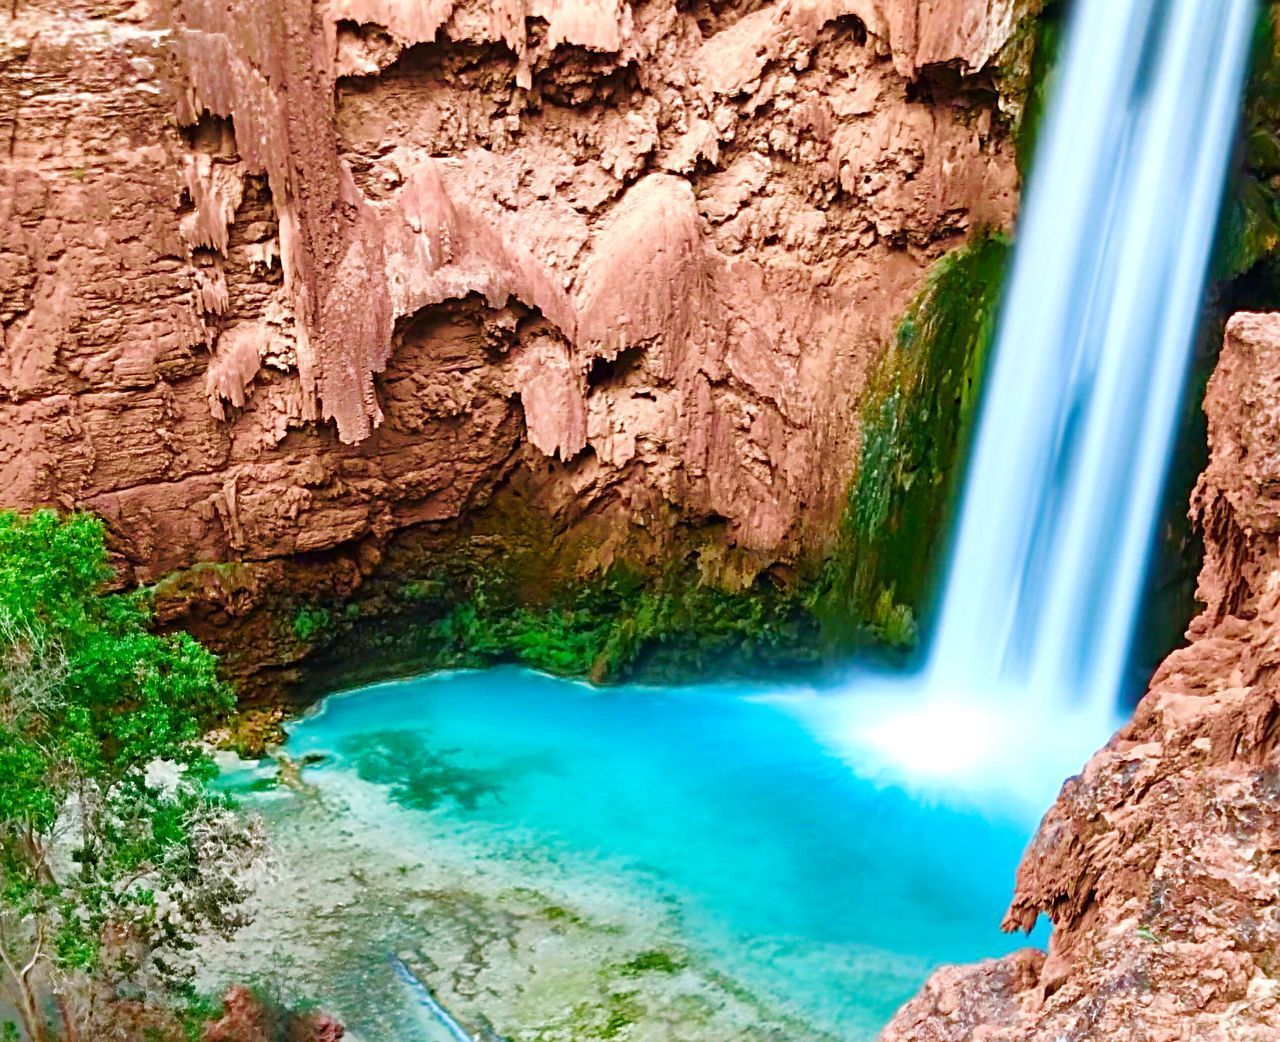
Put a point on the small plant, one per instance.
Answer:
(309, 621)
(420, 590)
(559, 914)
(655, 961)
(893, 623)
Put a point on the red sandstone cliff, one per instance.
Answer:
(282, 280)
(1160, 864)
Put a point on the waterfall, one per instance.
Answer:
(1079, 413)
(1093, 345)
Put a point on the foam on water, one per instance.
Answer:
(1003, 758)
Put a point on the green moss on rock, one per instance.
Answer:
(916, 414)
(1043, 49)
(617, 626)
(310, 620)
(654, 961)
(1249, 234)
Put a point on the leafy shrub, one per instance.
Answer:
(113, 853)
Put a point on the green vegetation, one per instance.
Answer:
(656, 961)
(1249, 235)
(114, 855)
(1048, 30)
(604, 627)
(915, 418)
(310, 620)
(609, 1020)
(560, 914)
(417, 590)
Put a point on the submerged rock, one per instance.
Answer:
(512, 945)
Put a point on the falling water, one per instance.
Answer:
(1080, 410)
(474, 801)
(1093, 347)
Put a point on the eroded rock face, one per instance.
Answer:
(282, 279)
(1160, 864)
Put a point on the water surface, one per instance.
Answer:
(702, 842)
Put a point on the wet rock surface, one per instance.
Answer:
(1158, 865)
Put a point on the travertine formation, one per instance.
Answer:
(1160, 864)
(287, 278)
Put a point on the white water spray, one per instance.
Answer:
(1073, 444)
(1082, 400)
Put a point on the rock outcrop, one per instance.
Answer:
(246, 1018)
(283, 280)
(1159, 865)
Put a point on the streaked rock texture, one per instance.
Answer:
(1160, 864)
(286, 279)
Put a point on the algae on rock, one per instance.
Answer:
(915, 417)
(1249, 236)
(1045, 35)
(611, 627)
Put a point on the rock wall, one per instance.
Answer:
(283, 280)
(1159, 865)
